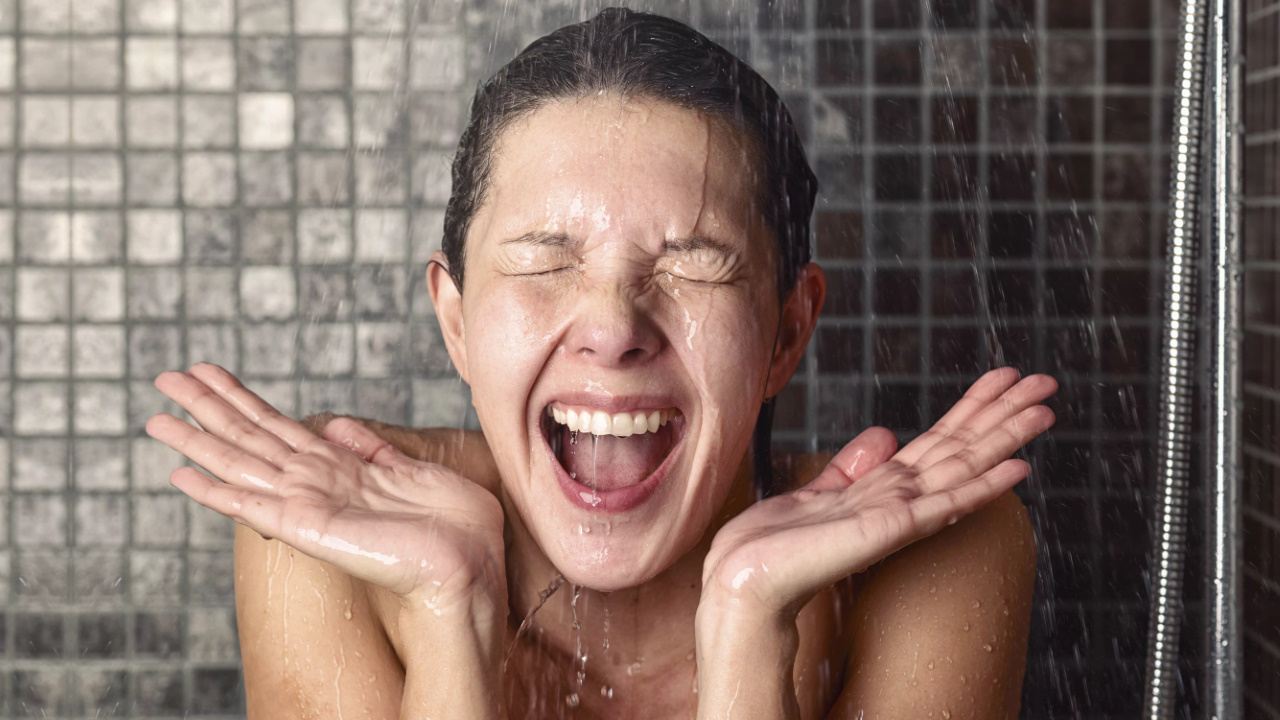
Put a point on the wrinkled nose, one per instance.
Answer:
(611, 330)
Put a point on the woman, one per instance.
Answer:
(629, 214)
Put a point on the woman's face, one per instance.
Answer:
(619, 280)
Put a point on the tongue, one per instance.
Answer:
(607, 462)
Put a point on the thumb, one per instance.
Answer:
(370, 446)
(864, 453)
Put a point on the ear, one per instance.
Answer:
(447, 299)
(795, 327)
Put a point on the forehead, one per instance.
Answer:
(623, 164)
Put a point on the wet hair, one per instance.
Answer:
(642, 55)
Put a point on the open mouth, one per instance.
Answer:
(611, 461)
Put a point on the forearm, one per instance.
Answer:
(458, 673)
(746, 666)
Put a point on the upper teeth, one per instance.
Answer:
(618, 424)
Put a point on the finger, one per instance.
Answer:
(980, 394)
(259, 511)
(976, 459)
(371, 447)
(218, 417)
(228, 462)
(292, 432)
(863, 453)
(933, 511)
(1030, 391)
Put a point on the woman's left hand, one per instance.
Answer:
(767, 562)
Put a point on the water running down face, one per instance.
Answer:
(618, 328)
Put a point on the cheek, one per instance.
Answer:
(728, 342)
(508, 332)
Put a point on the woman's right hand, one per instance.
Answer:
(346, 497)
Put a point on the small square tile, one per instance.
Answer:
(98, 294)
(210, 236)
(44, 575)
(39, 635)
(98, 576)
(96, 178)
(157, 692)
(217, 344)
(100, 691)
(216, 691)
(153, 462)
(269, 349)
(43, 294)
(266, 237)
(96, 236)
(211, 293)
(42, 351)
(327, 349)
(99, 409)
(155, 577)
(208, 16)
(378, 15)
(98, 351)
(442, 402)
(152, 179)
(266, 120)
(101, 463)
(209, 179)
(95, 16)
(8, 53)
(322, 178)
(323, 121)
(209, 574)
(382, 181)
(265, 63)
(158, 634)
(266, 178)
(155, 236)
(431, 177)
(325, 293)
(153, 349)
(377, 63)
(51, 16)
(212, 634)
(45, 178)
(95, 63)
(324, 235)
(323, 17)
(264, 16)
(208, 121)
(380, 235)
(151, 63)
(7, 124)
(151, 121)
(40, 464)
(46, 120)
(380, 349)
(380, 291)
(145, 401)
(267, 292)
(95, 121)
(151, 16)
(39, 519)
(437, 62)
(160, 519)
(322, 63)
(44, 236)
(378, 120)
(101, 519)
(208, 64)
(435, 119)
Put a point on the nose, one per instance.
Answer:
(611, 330)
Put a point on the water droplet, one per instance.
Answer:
(987, 647)
(606, 692)
(946, 715)
(572, 700)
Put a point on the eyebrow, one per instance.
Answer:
(691, 243)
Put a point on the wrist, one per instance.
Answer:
(746, 659)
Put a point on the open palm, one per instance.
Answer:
(870, 501)
(347, 497)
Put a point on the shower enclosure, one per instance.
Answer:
(259, 183)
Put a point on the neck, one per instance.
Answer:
(631, 637)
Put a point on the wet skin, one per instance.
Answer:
(581, 283)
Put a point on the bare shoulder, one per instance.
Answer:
(311, 640)
(954, 610)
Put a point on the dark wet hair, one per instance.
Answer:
(638, 54)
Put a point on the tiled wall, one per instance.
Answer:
(258, 183)
(1261, 513)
